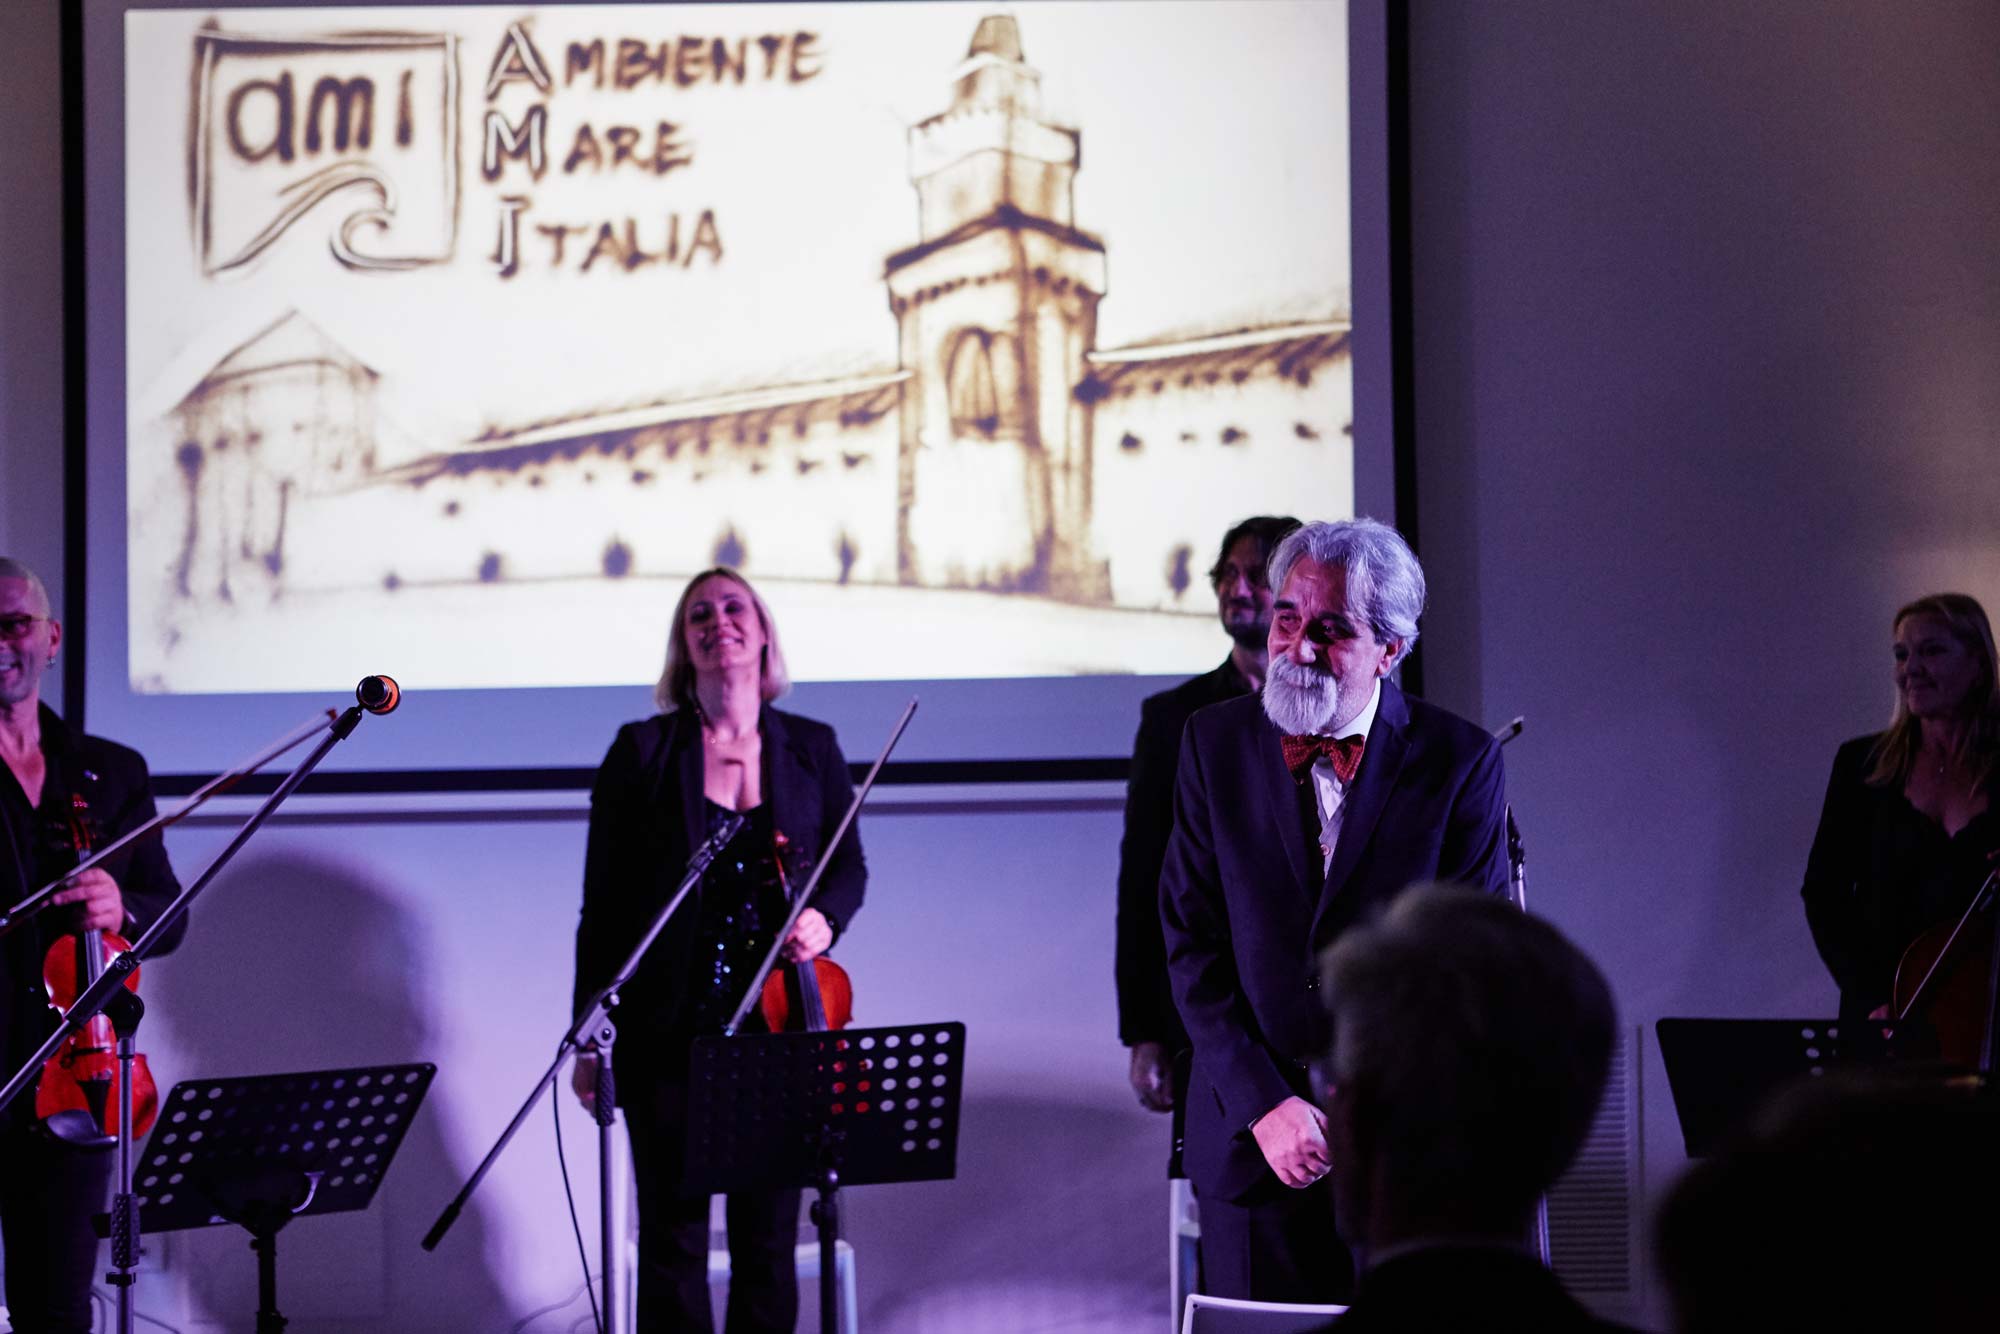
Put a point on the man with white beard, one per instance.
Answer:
(1298, 812)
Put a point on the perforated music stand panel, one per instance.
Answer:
(763, 1105)
(219, 1141)
(1722, 1070)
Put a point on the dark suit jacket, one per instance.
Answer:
(646, 819)
(114, 784)
(1246, 910)
(1881, 872)
(1145, 1000)
(1446, 1289)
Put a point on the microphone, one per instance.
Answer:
(717, 841)
(378, 694)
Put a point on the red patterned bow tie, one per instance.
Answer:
(1343, 753)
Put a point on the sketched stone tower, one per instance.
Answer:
(288, 416)
(996, 308)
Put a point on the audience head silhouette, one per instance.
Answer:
(1863, 1202)
(1469, 1052)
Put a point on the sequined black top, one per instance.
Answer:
(742, 907)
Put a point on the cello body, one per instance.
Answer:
(77, 1096)
(1951, 964)
(809, 997)
(81, 1080)
(801, 989)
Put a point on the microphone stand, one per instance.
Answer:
(594, 1027)
(1517, 859)
(222, 782)
(108, 995)
(1517, 890)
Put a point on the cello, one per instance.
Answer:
(77, 1097)
(1950, 976)
(810, 997)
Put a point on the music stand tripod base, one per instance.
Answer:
(262, 1150)
(818, 1111)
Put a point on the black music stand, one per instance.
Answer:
(1723, 1070)
(263, 1150)
(854, 1107)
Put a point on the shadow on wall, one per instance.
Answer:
(310, 967)
(1057, 1221)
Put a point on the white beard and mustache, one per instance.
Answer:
(1298, 699)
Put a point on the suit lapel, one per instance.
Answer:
(1281, 799)
(1381, 762)
(790, 791)
(687, 768)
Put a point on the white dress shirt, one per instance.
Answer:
(1329, 791)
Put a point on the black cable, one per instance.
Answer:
(552, 1307)
(596, 1317)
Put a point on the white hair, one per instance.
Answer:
(1384, 579)
(13, 569)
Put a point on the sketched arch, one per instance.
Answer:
(982, 376)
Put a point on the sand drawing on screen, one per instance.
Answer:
(371, 117)
(996, 458)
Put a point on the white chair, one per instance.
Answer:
(1183, 1244)
(805, 1258)
(1228, 1315)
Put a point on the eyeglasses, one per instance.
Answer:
(16, 627)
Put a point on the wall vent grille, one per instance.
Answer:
(1594, 1232)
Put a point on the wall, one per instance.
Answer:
(1707, 307)
(31, 412)
(1707, 302)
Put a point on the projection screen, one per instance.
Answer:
(448, 341)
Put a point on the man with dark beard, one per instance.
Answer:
(1147, 1023)
(1297, 813)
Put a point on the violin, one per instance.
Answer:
(77, 1097)
(809, 997)
(1946, 976)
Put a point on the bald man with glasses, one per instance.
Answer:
(53, 775)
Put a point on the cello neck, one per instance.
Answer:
(89, 942)
(89, 957)
(812, 1009)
